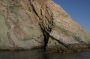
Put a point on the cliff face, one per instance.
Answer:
(28, 24)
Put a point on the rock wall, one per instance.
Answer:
(28, 24)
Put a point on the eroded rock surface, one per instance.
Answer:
(28, 24)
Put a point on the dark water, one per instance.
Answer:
(39, 54)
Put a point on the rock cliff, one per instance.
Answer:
(28, 24)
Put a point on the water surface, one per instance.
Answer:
(39, 54)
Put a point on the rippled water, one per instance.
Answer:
(39, 54)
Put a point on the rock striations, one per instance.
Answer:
(31, 24)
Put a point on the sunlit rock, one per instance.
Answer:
(31, 24)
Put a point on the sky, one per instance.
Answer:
(79, 10)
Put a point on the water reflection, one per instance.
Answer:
(34, 54)
(40, 54)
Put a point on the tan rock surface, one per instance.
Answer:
(28, 24)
